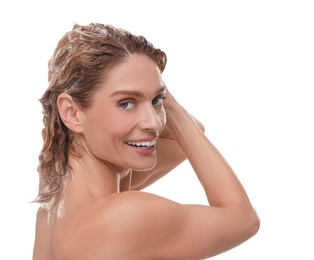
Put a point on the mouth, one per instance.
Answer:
(142, 144)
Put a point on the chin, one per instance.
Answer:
(143, 168)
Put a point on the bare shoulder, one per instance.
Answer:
(143, 202)
(139, 225)
(143, 210)
(152, 227)
(126, 225)
(143, 223)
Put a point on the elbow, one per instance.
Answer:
(247, 224)
(257, 223)
(252, 223)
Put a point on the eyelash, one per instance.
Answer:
(161, 98)
(122, 103)
(126, 102)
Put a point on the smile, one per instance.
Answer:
(143, 144)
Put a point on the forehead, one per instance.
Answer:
(137, 73)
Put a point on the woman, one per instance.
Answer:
(105, 138)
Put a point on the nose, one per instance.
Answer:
(150, 119)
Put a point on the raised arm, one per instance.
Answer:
(168, 230)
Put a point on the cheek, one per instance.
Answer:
(116, 127)
(98, 128)
(103, 136)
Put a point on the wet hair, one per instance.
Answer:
(80, 62)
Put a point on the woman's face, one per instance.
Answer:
(127, 115)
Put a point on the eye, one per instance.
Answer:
(158, 101)
(127, 105)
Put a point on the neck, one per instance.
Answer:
(94, 178)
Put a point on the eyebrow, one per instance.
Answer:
(134, 92)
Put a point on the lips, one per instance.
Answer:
(142, 144)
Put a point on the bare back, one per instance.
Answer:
(81, 233)
(106, 228)
(43, 236)
(138, 225)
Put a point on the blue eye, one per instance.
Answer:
(158, 101)
(126, 105)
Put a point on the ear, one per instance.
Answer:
(70, 112)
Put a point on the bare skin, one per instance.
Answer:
(101, 213)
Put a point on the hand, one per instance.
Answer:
(168, 102)
(171, 106)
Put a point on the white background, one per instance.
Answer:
(243, 68)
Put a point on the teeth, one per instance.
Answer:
(143, 144)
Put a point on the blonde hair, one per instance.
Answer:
(81, 59)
